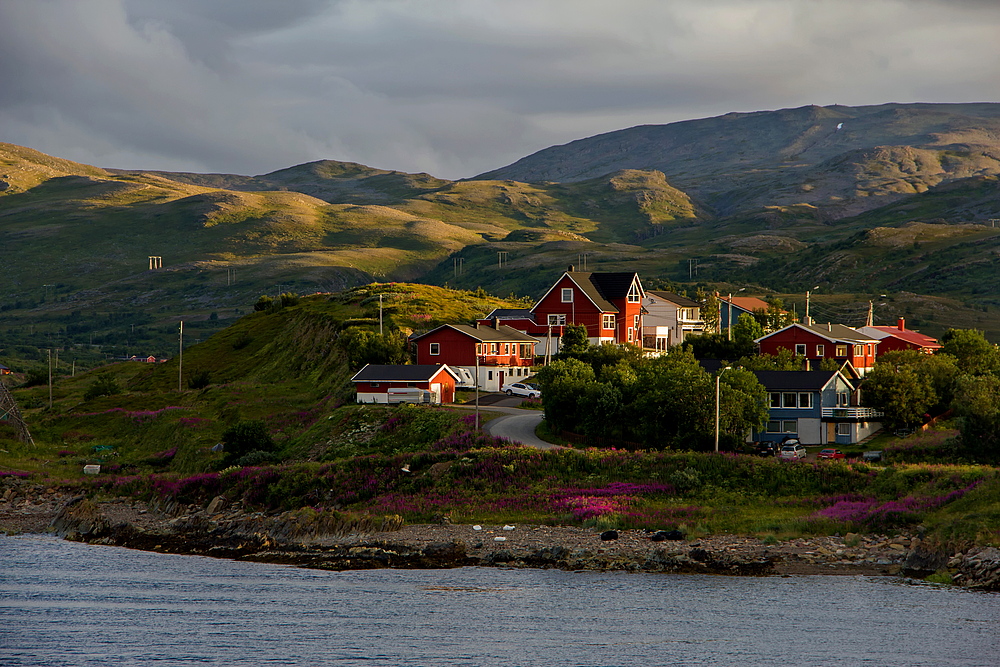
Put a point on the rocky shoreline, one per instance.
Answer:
(224, 531)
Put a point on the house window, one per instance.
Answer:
(843, 429)
(567, 295)
(788, 401)
(635, 322)
(506, 348)
(633, 293)
(805, 400)
(842, 401)
(411, 384)
(435, 348)
(489, 375)
(859, 350)
(557, 320)
(631, 334)
(841, 350)
(493, 348)
(775, 400)
(820, 350)
(373, 384)
(800, 350)
(479, 348)
(782, 426)
(870, 350)
(608, 321)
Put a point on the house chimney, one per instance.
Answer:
(901, 324)
(496, 323)
(829, 326)
(572, 268)
(807, 321)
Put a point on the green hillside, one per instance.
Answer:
(287, 366)
(898, 199)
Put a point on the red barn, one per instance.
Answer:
(504, 354)
(608, 304)
(901, 338)
(823, 341)
(375, 383)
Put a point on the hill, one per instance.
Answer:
(844, 160)
(776, 202)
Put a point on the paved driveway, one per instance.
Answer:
(519, 427)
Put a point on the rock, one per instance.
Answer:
(661, 535)
(699, 555)
(609, 535)
(217, 505)
(980, 569)
(922, 562)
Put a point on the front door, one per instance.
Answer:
(831, 433)
(500, 379)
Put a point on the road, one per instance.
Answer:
(519, 427)
(516, 425)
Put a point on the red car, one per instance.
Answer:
(830, 454)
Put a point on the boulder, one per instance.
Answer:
(609, 535)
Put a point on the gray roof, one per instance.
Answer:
(397, 373)
(485, 334)
(675, 299)
(510, 314)
(794, 380)
(832, 332)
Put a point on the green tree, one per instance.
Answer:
(574, 341)
(743, 404)
(264, 303)
(370, 347)
(676, 405)
(564, 382)
(974, 353)
(900, 391)
(709, 309)
(977, 408)
(746, 330)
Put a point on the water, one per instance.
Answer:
(63, 603)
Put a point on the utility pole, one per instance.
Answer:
(180, 359)
(501, 258)
(379, 314)
(50, 378)
(478, 350)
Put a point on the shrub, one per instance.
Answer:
(200, 380)
(106, 384)
(245, 437)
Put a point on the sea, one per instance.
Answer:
(65, 603)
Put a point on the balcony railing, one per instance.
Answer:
(852, 413)
(504, 360)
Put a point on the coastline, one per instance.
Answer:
(228, 531)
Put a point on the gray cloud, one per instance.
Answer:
(451, 87)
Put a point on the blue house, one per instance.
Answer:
(816, 407)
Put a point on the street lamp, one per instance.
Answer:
(807, 320)
(717, 378)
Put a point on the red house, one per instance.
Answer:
(823, 341)
(502, 353)
(901, 338)
(405, 384)
(609, 305)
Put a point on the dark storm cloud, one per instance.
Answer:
(452, 87)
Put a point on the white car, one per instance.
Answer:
(792, 451)
(521, 389)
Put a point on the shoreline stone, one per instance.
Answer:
(224, 530)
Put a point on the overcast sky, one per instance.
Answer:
(451, 87)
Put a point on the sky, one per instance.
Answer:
(451, 87)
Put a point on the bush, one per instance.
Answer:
(200, 380)
(245, 437)
(106, 384)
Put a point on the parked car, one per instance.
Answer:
(521, 389)
(830, 454)
(792, 452)
(766, 448)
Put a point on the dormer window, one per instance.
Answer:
(567, 295)
(633, 293)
